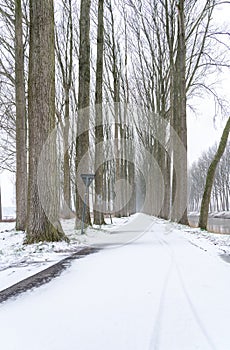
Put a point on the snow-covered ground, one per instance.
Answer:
(159, 286)
(221, 214)
(19, 261)
(215, 214)
(8, 212)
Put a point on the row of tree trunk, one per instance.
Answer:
(155, 168)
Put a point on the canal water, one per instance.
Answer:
(216, 225)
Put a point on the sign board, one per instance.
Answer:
(87, 179)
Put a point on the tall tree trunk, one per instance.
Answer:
(117, 126)
(132, 182)
(43, 197)
(65, 61)
(21, 129)
(66, 166)
(165, 169)
(125, 130)
(210, 177)
(179, 210)
(99, 133)
(82, 140)
(169, 27)
(67, 176)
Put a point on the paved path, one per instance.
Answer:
(44, 276)
(158, 292)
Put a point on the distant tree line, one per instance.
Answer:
(220, 197)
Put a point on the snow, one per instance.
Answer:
(216, 214)
(214, 243)
(221, 214)
(19, 261)
(161, 286)
(8, 212)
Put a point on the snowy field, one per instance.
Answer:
(157, 285)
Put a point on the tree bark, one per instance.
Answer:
(21, 129)
(67, 176)
(82, 140)
(117, 126)
(203, 220)
(43, 196)
(179, 209)
(99, 133)
(65, 60)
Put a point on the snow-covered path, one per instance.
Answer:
(158, 292)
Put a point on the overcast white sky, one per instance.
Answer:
(203, 131)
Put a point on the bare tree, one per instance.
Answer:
(219, 200)
(64, 52)
(43, 201)
(7, 86)
(99, 133)
(172, 56)
(179, 122)
(210, 177)
(82, 140)
(21, 127)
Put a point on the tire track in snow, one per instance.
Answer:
(157, 329)
(155, 338)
